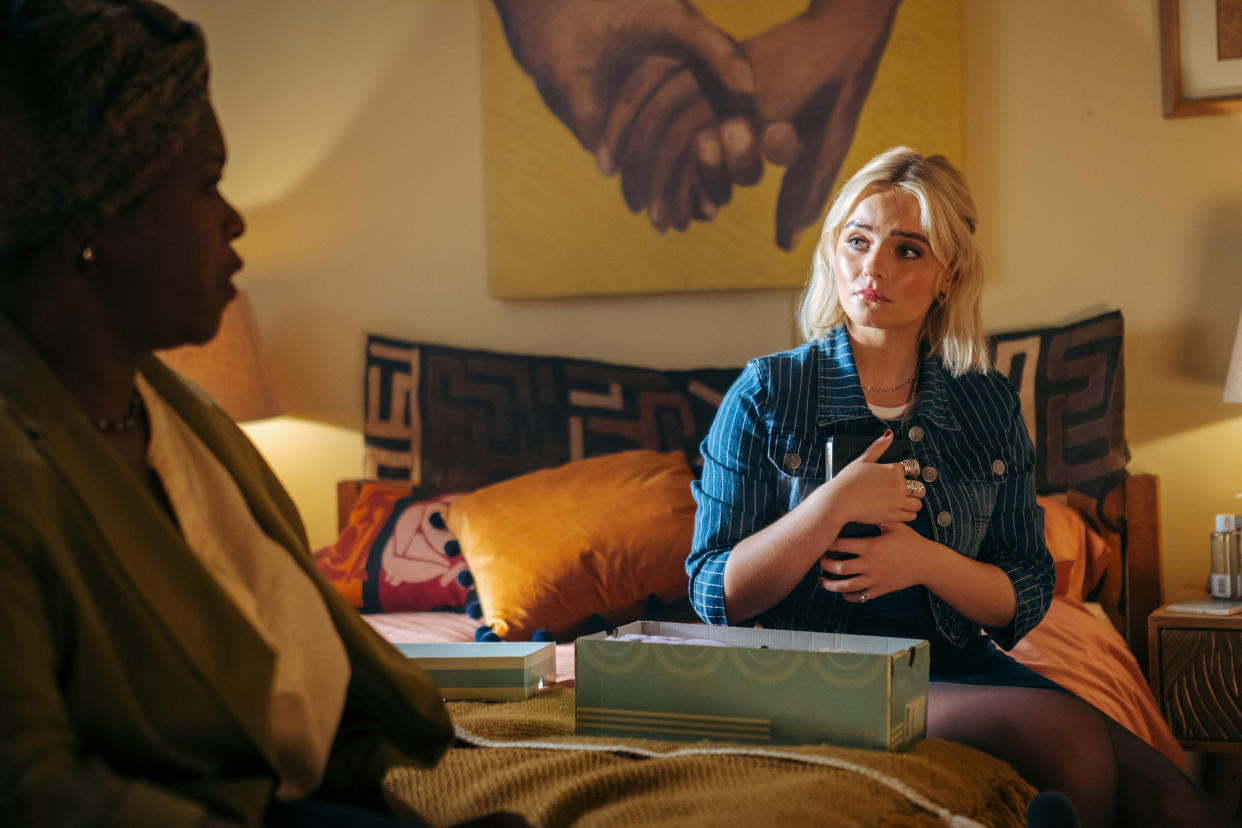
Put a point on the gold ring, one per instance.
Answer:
(864, 597)
(914, 487)
(910, 466)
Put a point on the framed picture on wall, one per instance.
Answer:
(646, 146)
(1201, 56)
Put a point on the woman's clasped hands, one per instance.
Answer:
(867, 491)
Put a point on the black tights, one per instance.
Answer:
(1057, 741)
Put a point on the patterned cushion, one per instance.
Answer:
(396, 554)
(452, 419)
(1072, 383)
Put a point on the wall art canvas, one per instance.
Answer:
(641, 146)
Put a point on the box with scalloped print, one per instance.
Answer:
(697, 681)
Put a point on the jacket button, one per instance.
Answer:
(930, 474)
(944, 518)
(998, 466)
(916, 433)
(792, 461)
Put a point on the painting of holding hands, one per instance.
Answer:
(684, 105)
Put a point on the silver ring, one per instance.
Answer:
(914, 487)
(910, 466)
(864, 597)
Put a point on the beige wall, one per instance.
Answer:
(1091, 199)
(355, 133)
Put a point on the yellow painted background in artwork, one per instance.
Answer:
(556, 227)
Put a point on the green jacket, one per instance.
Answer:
(134, 693)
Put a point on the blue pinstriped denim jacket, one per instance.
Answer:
(765, 453)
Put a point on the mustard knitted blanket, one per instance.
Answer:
(523, 757)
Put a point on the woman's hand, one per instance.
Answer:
(888, 562)
(867, 491)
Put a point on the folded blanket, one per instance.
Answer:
(523, 757)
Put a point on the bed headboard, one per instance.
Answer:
(449, 419)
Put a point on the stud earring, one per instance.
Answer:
(88, 254)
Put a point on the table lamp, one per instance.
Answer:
(231, 367)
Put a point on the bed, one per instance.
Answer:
(525, 497)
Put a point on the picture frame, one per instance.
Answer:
(1193, 36)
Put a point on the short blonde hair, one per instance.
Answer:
(953, 328)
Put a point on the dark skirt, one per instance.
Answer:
(907, 614)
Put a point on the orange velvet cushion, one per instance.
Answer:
(1079, 553)
(597, 537)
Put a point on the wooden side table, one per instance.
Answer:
(1195, 670)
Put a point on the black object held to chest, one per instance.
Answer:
(840, 450)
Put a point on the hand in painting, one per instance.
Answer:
(582, 52)
(677, 159)
(813, 73)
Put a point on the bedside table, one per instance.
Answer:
(1195, 670)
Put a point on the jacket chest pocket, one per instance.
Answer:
(980, 471)
(798, 461)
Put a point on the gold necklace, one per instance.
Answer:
(887, 390)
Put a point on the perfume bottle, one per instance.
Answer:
(1225, 579)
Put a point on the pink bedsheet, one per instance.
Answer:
(1071, 646)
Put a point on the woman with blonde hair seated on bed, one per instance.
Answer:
(955, 550)
(173, 658)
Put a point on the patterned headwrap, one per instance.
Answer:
(114, 91)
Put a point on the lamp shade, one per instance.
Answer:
(231, 367)
(1233, 380)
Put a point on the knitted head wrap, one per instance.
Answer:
(107, 94)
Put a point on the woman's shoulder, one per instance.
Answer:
(805, 357)
(982, 400)
(989, 383)
(777, 380)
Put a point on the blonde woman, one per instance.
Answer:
(951, 545)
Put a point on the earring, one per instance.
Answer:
(88, 254)
(940, 298)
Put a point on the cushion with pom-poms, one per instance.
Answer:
(396, 554)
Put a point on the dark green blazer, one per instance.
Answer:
(134, 693)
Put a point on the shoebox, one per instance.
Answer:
(762, 686)
(492, 670)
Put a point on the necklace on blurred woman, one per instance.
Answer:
(124, 424)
